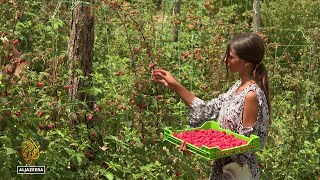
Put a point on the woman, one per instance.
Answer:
(244, 109)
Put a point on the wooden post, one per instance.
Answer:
(176, 12)
(256, 15)
(80, 48)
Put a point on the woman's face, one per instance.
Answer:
(234, 63)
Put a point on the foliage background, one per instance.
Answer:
(130, 36)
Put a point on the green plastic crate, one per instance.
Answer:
(253, 143)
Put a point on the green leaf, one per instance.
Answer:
(106, 174)
(79, 159)
(315, 129)
(6, 141)
(305, 122)
(74, 145)
(136, 139)
(70, 151)
(48, 28)
(96, 91)
(60, 133)
(55, 26)
(157, 163)
(79, 72)
(50, 144)
(10, 151)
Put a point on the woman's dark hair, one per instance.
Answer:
(250, 47)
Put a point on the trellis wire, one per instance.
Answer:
(299, 45)
(291, 45)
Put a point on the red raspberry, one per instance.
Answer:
(39, 84)
(89, 117)
(40, 113)
(15, 42)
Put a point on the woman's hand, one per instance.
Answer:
(165, 78)
(183, 148)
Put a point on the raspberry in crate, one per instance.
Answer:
(211, 141)
(210, 138)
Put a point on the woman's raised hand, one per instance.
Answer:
(165, 78)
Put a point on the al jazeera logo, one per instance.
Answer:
(30, 153)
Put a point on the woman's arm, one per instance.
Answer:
(250, 111)
(200, 111)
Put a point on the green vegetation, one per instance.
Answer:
(121, 137)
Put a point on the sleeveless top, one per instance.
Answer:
(228, 109)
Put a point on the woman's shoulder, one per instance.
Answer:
(258, 91)
(257, 88)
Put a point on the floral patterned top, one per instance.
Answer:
(228, 109)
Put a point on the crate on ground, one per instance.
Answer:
(211, 153)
